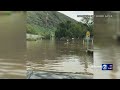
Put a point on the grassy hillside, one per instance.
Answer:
(45, 22)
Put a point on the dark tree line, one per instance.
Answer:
(73, 30)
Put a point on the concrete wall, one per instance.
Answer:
(33, 37)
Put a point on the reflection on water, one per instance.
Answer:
(107, 48)
(58, 56)
(12, 69)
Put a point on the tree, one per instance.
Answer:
(31, 29)
(69, 30)
(87, 19)
(88, 23)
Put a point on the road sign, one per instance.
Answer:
(88, 34)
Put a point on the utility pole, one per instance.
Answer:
(47, 19)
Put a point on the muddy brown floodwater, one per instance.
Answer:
(58, 56)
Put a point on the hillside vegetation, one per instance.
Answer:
(47, 23)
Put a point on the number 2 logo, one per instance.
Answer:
(104, 67)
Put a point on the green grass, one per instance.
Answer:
(5, 12)
(38, 30)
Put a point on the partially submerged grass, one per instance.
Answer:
(5, 12)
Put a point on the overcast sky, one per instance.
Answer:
(73, 14)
